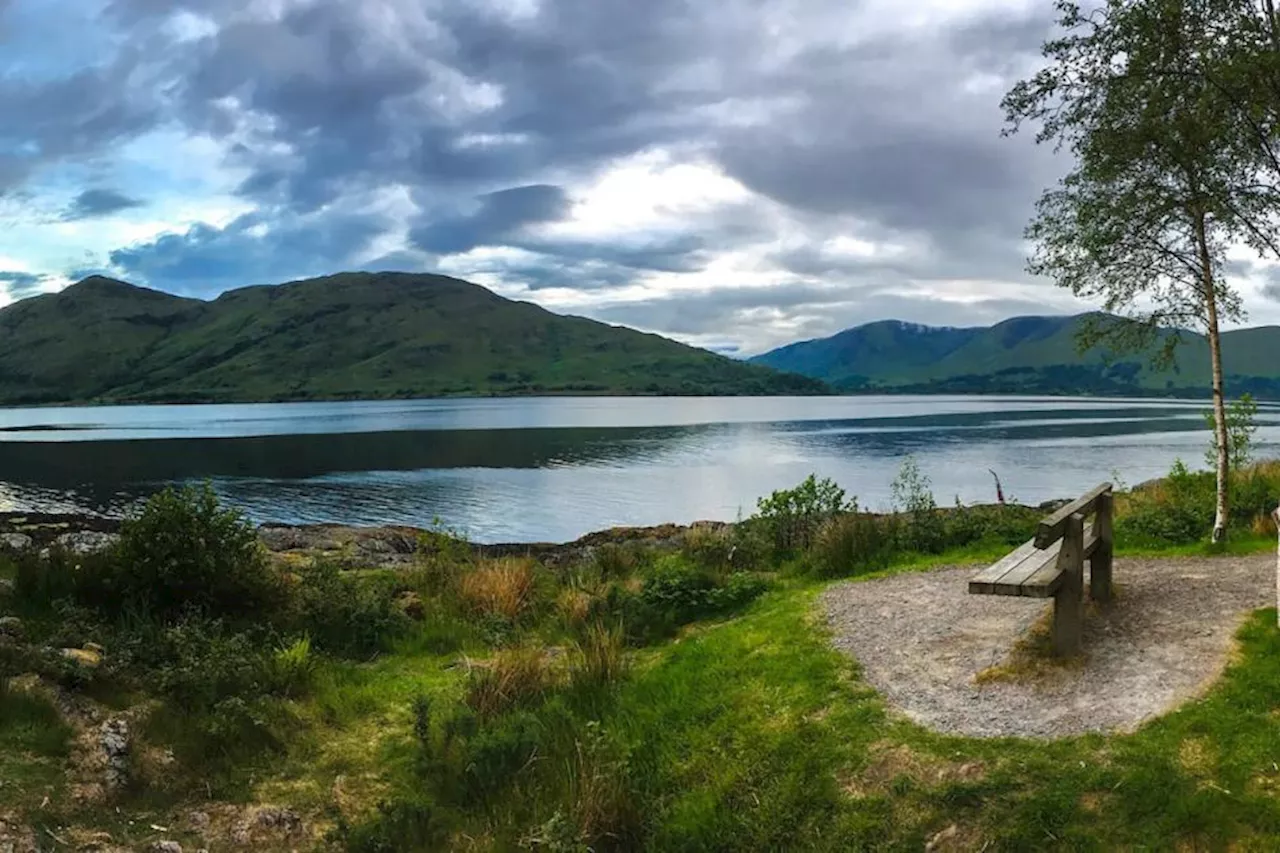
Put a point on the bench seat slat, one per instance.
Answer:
(1033, 576)
(983, 582)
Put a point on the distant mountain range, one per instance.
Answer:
(347, 336)
(1024, 355)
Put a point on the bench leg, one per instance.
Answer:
(1068, 614)
(1068, 602)
(1100, 562)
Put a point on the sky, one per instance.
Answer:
(737, 175)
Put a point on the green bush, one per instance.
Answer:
(185, 554)
(790, 518)
(345, 614)
(676, 593)
(1005, 524)
(923, 530)
(854, 544)
(1178, 510)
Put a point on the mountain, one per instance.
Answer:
(346, 336)
(1035, 355)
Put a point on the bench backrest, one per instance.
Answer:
(1052, 528)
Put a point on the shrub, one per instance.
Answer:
(712, 549)
(616, 560)
(676, 591)
(198, 664)
(791, 517)
(1176, 510)
(345, 614)
(184, 553)
(854, 544)
(511, 677)
(501, 588)
(398, 826)
(1006, 524)
(923, 530)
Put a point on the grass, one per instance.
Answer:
(516, 713)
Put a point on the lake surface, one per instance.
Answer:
(552, 469)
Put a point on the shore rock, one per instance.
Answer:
(15, 541)
(86, 541)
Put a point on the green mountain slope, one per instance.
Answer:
(1022, 355)
(353, 335)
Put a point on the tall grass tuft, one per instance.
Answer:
(601, 655)
(511, 677)
(503, 588)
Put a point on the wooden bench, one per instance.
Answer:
(1052, 565)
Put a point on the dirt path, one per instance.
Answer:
(921, 639)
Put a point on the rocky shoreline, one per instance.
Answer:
(364, 547)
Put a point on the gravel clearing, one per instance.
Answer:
(921, 638)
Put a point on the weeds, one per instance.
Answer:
(600, 655)
(501, 588)
(510, 678)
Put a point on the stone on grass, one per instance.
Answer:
(87, 658)
(114, 739)
(166, 847)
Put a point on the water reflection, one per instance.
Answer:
(546, 470)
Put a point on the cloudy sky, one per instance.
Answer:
(736, 174)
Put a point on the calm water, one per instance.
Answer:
(553, 469)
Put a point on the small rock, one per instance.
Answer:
(86, 541)
(11, 626)
(114, 739)
(15, 541)
(95, 648)
(166, 847)
(936, 843)
(85, 657)
(410, 604)
(273, 817)
(199, 821)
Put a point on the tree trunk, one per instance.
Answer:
(1215, 357)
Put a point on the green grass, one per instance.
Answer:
(735, 725)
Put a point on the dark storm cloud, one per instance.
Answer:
(254, 248)
(98, 202)
(72, 117)
(499, 217)
(487, 117)
(19, 285)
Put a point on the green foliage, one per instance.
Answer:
(291, 670)
(855, 544)
(30, 723)
(346, 614)
(1242, 423)
(186, 554)
(791, 517)
(923, 530)
(1178, 510)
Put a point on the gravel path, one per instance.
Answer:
(921, 638)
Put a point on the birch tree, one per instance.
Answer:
(1168, 173)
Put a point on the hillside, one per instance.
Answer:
(1021, 355)
(347, 336)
